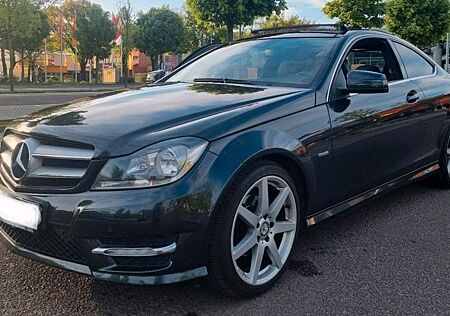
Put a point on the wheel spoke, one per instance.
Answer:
(283, 227)
(257, 257)
(263, 198)
(274, 254)
(245, 245)
(247, 216)
(277, 205)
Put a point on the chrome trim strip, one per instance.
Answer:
(54, 152)
(134, 252)
(56, 173)
(58, 263)
(334, 210)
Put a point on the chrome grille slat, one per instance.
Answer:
(6, 157)
(55, 172)
(54, 164)
(66, 153)
(11, 141)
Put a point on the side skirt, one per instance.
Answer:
(334, 210)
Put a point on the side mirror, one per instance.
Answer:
(366, 82)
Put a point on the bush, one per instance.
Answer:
(140, 78)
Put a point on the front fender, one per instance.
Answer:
(236, 150)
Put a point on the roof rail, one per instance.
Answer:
(370, 29)
(307, 28)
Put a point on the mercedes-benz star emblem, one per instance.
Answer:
(20, 161)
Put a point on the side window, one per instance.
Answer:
(416, 65)
(374, 55)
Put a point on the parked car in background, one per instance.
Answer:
(216, 168)
(154, 76)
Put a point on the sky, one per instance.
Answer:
(309, 9)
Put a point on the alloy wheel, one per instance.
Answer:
(264, 230)
(448, 156)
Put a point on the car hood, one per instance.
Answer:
(115, 124)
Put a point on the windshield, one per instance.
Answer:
(283, 61)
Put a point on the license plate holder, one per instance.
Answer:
(18, 213)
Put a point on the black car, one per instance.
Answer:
(217, 168)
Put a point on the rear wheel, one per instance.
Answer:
(254, 231)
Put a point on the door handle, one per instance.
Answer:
(412, 97)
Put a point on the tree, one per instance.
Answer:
(280, 20)
(128, 32)
(18, 19)
(94, 35)
(424, 23)
(199, 34)
(233, 13)
(159, 31)
(357, 13)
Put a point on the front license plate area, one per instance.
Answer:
(19, 214)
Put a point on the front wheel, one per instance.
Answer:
(254, 230)
(444, 172)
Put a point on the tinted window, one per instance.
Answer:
(292, 61)
(416, 65)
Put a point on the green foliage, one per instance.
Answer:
(280, 20)
(423, 22)
(159, 31)
(22, 28)
(230, 13)
(357, 13)
(94, 32)
(199, 33)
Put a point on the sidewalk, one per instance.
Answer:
(61, 88)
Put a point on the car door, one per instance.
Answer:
(431, 116)
(372, 136)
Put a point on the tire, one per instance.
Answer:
(246, 230)
(443, 176)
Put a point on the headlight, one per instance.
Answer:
(159, 164)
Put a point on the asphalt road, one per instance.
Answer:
(41, 98)
(391, 257)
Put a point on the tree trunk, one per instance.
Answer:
(12, 63)
(22, 66)
(154, 60)
(30, 68)
(83, 70)
(4, 66)
(125, 69)
(230, 27)
(97, 68)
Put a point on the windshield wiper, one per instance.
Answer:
(226, 80)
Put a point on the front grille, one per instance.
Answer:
(45, 242)
(52, 163)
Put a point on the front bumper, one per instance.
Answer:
(149, 236)
(111, 277)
